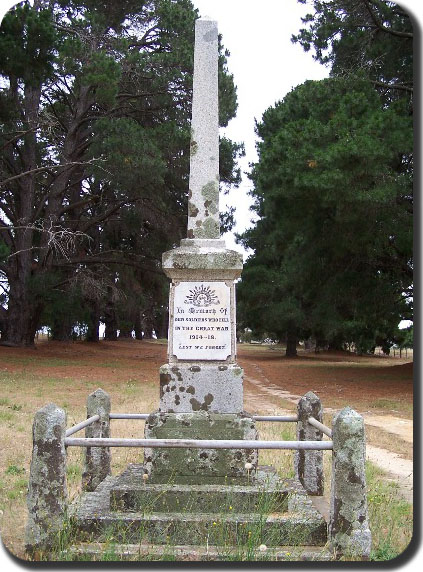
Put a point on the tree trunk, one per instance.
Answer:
(125, 330)
(161, 325)
(138, 326)
(110, 331)
(148, 329)
(291, 344)
(61, 330)
(110, 322)
(23, 310)
(94, 324)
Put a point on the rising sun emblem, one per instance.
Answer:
(202, 296)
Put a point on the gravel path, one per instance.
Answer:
(399, 470)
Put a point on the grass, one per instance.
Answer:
(393, 405)
(391, 517)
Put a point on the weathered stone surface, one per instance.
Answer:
(349, 531)
(197, 553)
(97, 459)
(309, 464)
(199, 465)
(94, 519)
(267, 492)
(203, 205)
(202, 260)
(195, 387)
(47, 493)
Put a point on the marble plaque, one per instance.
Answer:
(201, 326)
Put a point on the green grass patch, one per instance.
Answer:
(6, 416)
(390, 516)
(14, 470)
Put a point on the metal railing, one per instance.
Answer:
(198, 443)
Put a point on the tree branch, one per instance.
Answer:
(46, 168)
(400, 86)
(380, 26)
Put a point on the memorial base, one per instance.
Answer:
(200, 466)
(195, 387)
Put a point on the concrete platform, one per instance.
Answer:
(266, 492)
(295, 522)
(146, 552)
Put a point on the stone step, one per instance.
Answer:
(267, 493)
(192, 553)
(95, 520)
(176, 528)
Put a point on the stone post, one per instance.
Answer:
(47, 498)
(309, 464)
(97, 459)
(349, 533)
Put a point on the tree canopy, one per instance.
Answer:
(333, 192)
(95, 108)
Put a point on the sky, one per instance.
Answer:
(266, 65)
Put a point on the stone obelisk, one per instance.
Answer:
(201, 386)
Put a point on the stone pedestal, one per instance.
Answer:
(200, 466)
(201, 386)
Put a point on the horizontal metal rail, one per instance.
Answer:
(280, 418)
(81, 425)
(196, 443)
(320, 426)
(129, 415)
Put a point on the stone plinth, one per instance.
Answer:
(197, 259)
(200, 465)
(186, 388)
(202, 323)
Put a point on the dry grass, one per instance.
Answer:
(21, 395)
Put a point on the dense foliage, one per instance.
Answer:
(95, 109)
(333, 189)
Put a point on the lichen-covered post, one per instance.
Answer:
(309, 464)
(349, 532)
(97, 459)
(47, 498)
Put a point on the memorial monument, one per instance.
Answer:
(205, 503)
(201, 386)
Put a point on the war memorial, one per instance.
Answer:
(200, 489)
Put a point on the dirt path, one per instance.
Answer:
(258, 394)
